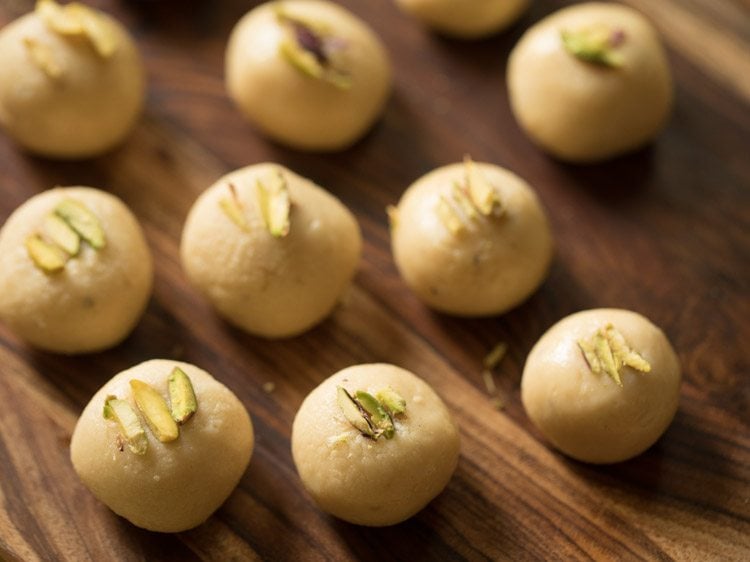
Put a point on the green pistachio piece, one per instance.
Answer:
(83, 221)
(597, 45)
(47, 257)
(482, 194)
(61, 234)
(78, 20)
(311, 49)
(232, 207)
(43, 58)
(275, 205)
(181, 396)
(353, 413)
(154, 409)
(379, 418)
(391, 401)
(130, 426)
(392, 213)
(460, 196)
(449, 217)
(606, 351)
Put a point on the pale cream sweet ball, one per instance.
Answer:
(164, 486)
(374, 481)
(590, 82)
(307, 73)
(72, 93)
(81, 301)
(277, 278)
(578, 404)
(466, 19)
(471, 255)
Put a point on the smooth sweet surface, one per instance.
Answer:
(488, 268)
(296, 109)
(589, 416)
(87, 110)
(177, 485)
(271, 286)
(581, 111)
(370, 482)
(99, 296)
(467, 19)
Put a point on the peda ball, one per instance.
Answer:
(602, 385)
(373, 444)
(590, 82)
(468, 20)
(162, 444)
(471, 239)
(71, 81)
(75, 271)
(307, 73)
(272, 251)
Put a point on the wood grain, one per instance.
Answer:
(664, 231)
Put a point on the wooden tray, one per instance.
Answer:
(665, 232)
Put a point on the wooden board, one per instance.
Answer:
(664, 231)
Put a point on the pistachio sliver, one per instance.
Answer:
(275, 204)
(232, 207)
(391, 401)
(483, 195)
(597, 45)
(460, 196)
(310, 48)
(353, 413)
(155, 410)
(392, 212)
(47, 257)
(448, 216)
(181, 396)
(77, 19)
(43, 58)
(57, 18)
(98, 30)
(83, 221)
(60, 232)
(606, 351)
(127, 420)
(379, 418)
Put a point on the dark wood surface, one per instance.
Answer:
(664, 231)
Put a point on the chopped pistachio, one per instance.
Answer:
(154, 409)
(47, 257)
(310, 48)
(462, 199)
(493, 358)
(597, 45)
(353, 413)
(392, 213)
(232, 207)
(83, 221)
(379, 418)
(483, 195)
(275, 204)
(181, 396)
(130, 426)
(99, 31)
(489, 381)
(606, 351)
(43, 58)
(60, 232)
(448, 216)
(391, 401)
(76, 19)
